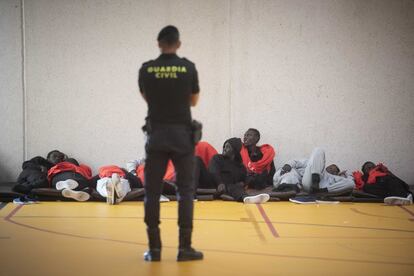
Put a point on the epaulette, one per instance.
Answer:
(145, 63)
(183, 58)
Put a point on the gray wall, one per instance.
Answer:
(11, 90)
(336, 74)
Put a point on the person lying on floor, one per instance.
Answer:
(204, 180)
(230, 173)
(137, 168)
(56, 156)
(311, 176)
(33, 175)
(380, 181)
(71, 178)
(114, 183)
(258, 161)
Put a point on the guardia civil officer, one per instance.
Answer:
(169, 84)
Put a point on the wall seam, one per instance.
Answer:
(23, 33)
(230, 98)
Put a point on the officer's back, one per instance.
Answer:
(168, 83)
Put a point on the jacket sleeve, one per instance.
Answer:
(298, 163)
(359, 183)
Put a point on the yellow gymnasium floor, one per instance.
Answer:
(69, 238)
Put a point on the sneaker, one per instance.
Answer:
(303, 200)
(116, 181)
(67, 184)
(396, 200)
(327, 201)
(163, 198)
(23, 200)
(76, 195)
(261, 198)
(110, 193)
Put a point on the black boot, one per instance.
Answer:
(185, 251)
(154, 252)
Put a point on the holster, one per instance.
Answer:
(196, 129)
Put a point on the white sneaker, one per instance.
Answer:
(396, 200)
(76, 195)
(116, 180)
(110, 193)
(163, 198)
(261, 198)
(67, 184)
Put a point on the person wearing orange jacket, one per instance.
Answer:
(258, 160)
(380, 181)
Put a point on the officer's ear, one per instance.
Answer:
(178, 44)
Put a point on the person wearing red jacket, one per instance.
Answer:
(71, 178)
(380, 181)
(258, 160)
(114, 183)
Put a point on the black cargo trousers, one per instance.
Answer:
(166, 142)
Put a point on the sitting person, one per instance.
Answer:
(311, 175)
(71, 178)
(379, 181)
(33, 175)
(258, 160)
(114, 183)
(230, 173)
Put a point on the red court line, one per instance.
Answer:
(408, 211)
(15, 210)
(267, 220)
(12, 213)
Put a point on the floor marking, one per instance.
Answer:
(408, 211)
(255, 224)
(235, 220)
(373, 215)
(12, 213)
(267, 220)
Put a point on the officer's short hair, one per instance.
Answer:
(169, 35)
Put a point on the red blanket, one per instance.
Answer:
(205, 151)
(378, 171)
(168, 176)
(261, 165)
(107, 171)
(82, 169)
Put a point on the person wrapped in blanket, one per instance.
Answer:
(230, 173)
(258, 161)
(204, 180)
(33, 175)
(380, 181)
(114, 183)
(311, 176)
(70, 177)
(34, 172)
